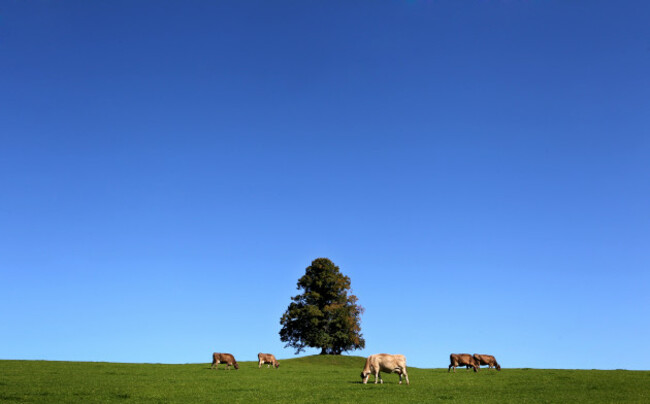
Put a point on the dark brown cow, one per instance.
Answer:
(462, 360)
(268, 359)
(226, 358)
(487, 360)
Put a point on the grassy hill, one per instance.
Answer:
(312, 379)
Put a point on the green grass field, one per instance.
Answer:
(313, 379)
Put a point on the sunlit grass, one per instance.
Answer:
(312, 379)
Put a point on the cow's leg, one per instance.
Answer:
(406, 375)
(259, 365)
(375, 372)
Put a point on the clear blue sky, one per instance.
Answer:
(480, 169)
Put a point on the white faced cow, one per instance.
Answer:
(267, 358)
(384, 363)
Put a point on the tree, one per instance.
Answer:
(324, 316)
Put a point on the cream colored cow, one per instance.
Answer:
(386, 363)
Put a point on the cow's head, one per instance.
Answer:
(236, 366)
(497, 366)
(364, 377)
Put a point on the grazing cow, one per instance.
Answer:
(384, 363)
(267, 358)
(462, 360)
(487, 360)
(226, 358)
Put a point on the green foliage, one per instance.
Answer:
(314, 379)
(324, 316)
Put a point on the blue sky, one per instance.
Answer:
(479, 169)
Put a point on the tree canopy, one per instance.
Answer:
(324, 316)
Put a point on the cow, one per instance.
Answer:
(462, 360)
(384, 363)
(226, 358)
(487, 360)
(267, 358)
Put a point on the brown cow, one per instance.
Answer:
(385, 363)
(487, 360)
(268, 359)
(226, 358)
(462, 360)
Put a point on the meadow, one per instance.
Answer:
(313, 379)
